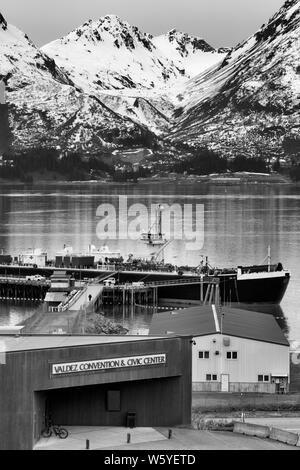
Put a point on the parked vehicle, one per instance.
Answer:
(109, 282)
(36, 277)
(138, 284)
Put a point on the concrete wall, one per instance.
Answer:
(254, 358)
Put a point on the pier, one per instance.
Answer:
(19, 288)
(95, 293)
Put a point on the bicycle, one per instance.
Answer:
(62, 433)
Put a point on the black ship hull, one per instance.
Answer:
(265, 291)
(256, 289)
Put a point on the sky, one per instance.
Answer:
(220, 22)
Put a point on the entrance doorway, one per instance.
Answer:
(224, 383)
(281, 384)
(110, 404)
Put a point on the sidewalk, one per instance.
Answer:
(115, 438)
(99, 437)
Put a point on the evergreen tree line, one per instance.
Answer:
(76, 166)
(71, 166)
(205, 162)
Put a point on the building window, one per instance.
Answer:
(210, 377)
(264, 378)
(203, 354)
(232, 355)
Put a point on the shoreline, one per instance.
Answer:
(218, 179)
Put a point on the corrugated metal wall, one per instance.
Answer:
(254, 358)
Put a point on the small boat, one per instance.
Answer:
(154, 236)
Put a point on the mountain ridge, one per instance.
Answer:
(108, 84)
(251, 100)
(48, 110)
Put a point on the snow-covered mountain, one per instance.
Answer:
(109, 54)
(250, 103)
(21, 62)
(108, 84)
(190, 53)
(46, 109)
(132, 72)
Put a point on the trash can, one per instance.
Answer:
(131, 419)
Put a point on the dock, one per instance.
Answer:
(19, 288)
(95, 293)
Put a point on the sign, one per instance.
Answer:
(107, 364)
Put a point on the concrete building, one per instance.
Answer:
(234, 350)
(91, 381)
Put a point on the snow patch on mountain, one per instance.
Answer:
(132, 72)
(109, 54)
(21, 63)
(190, 53)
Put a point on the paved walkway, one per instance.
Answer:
(115, 438)
(99, 437)
(92, 289)
(187, 439)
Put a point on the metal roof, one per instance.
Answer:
(55, 296)
(200, 321)
(190, 321)
(29, 343)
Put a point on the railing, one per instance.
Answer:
(106, 267)
(182, 281)
(68, 303)
(162, 283)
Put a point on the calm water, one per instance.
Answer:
(239, 224)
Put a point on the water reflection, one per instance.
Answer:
(240, 223)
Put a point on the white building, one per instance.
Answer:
(33, 257)
(234, 350)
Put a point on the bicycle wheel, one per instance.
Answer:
(47, 432)
(63, 433)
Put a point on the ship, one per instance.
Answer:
(257, 284)
(254, 284)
